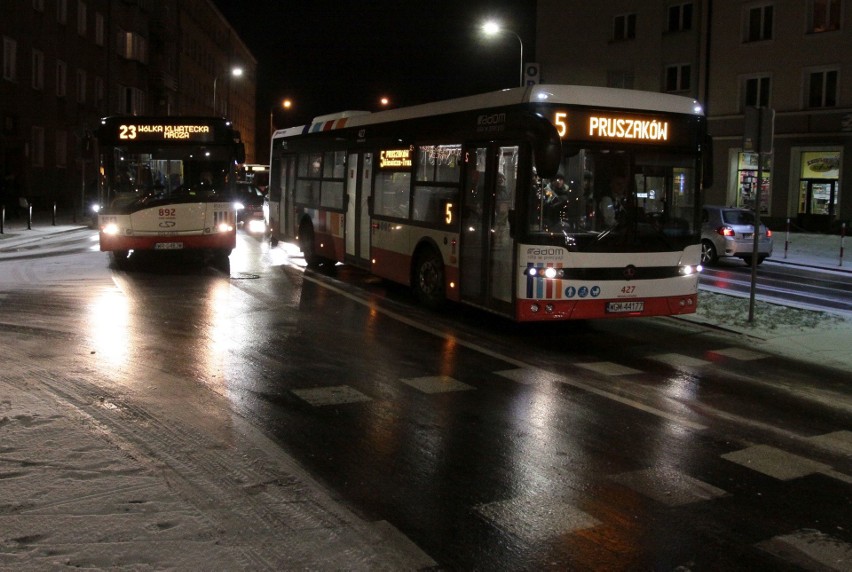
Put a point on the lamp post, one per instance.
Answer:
(285, 104)
(492, 28)
(235, 72)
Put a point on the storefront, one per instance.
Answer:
(819, 186)
(748, 182)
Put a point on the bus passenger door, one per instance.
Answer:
(486, 251)
(287, 213)
(357, 229)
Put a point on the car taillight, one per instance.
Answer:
(768, 233)
(726, 231)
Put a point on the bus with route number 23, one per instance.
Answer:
(548, 202)
(167, 184)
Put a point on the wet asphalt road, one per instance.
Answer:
(493, 446)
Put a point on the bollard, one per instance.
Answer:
(842, 238)
(54, 214)
(787, 240)
(29, 216)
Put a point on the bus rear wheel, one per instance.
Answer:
(428, 279)
(120, 259)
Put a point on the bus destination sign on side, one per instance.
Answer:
(164, 132)
(395, 159)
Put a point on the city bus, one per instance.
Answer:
(506, 201)
(167, 184)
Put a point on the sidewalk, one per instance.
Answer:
(80, 487)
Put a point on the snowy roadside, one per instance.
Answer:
(811, 336)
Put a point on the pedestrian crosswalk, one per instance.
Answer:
(533, 518)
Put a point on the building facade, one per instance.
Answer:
(731, 55)
(67, 63)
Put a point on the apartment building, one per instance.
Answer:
(791, 56)
(67, 63)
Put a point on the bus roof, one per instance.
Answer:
(565, 94)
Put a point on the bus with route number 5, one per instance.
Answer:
(549, 202)
(167, 184)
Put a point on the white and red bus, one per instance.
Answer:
(167, 183)
(549, 202)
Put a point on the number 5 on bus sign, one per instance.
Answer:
(448, 212)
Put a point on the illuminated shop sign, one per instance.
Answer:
(589, 125)
(395, 159)
(164, 132)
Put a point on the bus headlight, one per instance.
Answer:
(110, 229)
(688, 269)
(224, 227)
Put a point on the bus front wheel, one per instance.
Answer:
(306, 243)
(428, 283)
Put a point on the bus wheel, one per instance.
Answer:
(428, 283)
(120, 259)
(306, 243)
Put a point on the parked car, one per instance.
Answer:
(249, 200)
(729, 231)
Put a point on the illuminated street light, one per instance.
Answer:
(285, 104)
(235, 72)
(384, 101)
(492, 28)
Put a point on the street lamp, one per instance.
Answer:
(492, 28)
(285, 104)
(235, 72)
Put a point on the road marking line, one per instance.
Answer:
(518, 363)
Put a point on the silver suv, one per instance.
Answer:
(729, 231)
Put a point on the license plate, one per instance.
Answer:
(748, 234)
(168, 246)
(620, 307)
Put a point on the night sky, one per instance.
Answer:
(335, 55)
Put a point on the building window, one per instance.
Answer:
(10, 59)
(620, 79)
(82, 13)
(822, 88)
(81, 86)
(99, 29)
(62, 11)
(756, 91)
(678, 77)
(38, 70)
(758, 24)
(61, 78)
(61, 149)
(680, 17)
(131, 101)
(823, 16)
(132, 46)
(37, 146)
(624, 27)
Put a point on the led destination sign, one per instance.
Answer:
(592, 126)
(395, 159)
(164, 132)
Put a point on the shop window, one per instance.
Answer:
(749, 184)
(819, 181)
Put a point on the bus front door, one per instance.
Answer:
(486, 239)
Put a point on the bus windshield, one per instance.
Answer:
(140, 179)
(615, 200)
